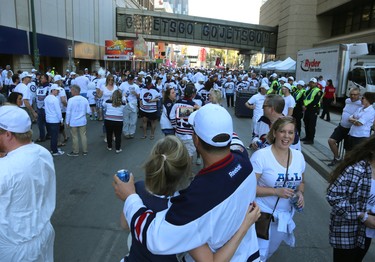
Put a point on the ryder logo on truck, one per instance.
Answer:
(310, 66)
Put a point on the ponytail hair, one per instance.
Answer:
(168, 168)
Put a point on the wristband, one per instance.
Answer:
(364, 218)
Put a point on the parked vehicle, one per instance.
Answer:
(348, 65)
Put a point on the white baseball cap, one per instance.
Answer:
(33, 70)
(301, 82)
(274, 75)
(265, 86)
(291, 78)
(55, 87)
(72, 73)
(25, 74)
(57, 78)
(287, 85)
(209, 122)
(313, 80)
(283, 79)
(14, 119)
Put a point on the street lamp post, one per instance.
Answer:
(70, 52)
(35, 43)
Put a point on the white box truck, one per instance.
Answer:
(348, 65)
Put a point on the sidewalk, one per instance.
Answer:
(319, 154)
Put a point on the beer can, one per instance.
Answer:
(123, 175)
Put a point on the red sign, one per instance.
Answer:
(119, 47)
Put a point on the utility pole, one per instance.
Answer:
(35, 42)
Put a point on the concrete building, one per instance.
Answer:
(70, 34)
(304, 24)
(179, 6)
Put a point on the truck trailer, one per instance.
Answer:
(348, 65)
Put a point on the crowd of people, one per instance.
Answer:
(175, 215)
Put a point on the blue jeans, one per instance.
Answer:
(53, 129)
(42, 123)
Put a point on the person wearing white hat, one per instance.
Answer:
(299, 96)
(63, 103)
(216, 201)
(22, 88)
(28, 191)
(290, 103)
(311, 106)
(54, 118)
(274, 84)
(255, 103)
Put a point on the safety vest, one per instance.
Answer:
(273, 88)
(298, 94)
(311, 95)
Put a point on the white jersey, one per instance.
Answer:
(273, 175)
(258, 101)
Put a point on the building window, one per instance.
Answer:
(350, 19)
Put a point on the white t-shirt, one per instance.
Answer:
(273, 174)
(289, 103)
(349, 109)
(22, 88)
(82, 82)
(107, 94)
(130, 91)
(366, 117)
(76, 111)
(258, 101)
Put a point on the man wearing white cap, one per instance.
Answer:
(28, 191)
(22, 88)
(212, 208)
(311, 106)
(299, 96)
(54, 118)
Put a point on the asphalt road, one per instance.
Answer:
(86, 219)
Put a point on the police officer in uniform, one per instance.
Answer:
(311, 105)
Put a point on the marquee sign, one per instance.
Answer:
(157, 26)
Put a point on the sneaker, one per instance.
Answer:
(118, 151)
(72, 154)
(58, 153)
(105, 140)
(109, 149)
(84, 153)
(131, 136)
(198, 161)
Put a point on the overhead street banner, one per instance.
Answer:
(160, 26)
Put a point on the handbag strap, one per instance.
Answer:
(286, 178)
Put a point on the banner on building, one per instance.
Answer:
(119, 47)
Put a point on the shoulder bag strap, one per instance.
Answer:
(286, 178)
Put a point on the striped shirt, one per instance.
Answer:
(113, 113)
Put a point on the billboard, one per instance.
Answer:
(119, 47)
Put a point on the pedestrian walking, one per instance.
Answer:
(113, 119)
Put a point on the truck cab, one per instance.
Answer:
(362, 76)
